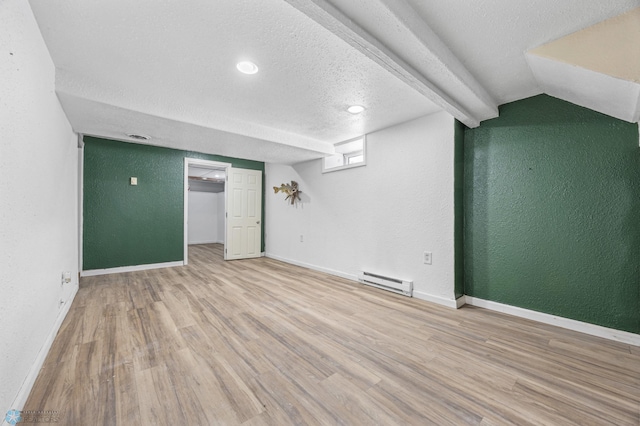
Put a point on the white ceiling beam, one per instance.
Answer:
(437, 73)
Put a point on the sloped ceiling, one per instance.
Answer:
(167, 70)
(597, 67)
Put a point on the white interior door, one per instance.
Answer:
(244, 213)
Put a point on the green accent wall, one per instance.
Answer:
(125, 225)
(552, 212)
(458, 204)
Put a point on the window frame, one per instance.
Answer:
(348, 155)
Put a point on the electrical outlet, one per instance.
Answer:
(301, 238)
(427, 257)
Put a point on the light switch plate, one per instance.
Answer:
(134, 181)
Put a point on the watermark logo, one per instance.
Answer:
(13, 417)
(30, 416)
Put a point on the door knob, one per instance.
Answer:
(258, 222)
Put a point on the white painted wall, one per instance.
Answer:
(221, 217)
(203, 218)
(38, 204)
(380, 217)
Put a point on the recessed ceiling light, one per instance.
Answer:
(138, 137)
(247, 67)
(355, 109)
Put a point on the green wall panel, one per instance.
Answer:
(552, 208)
(126, 225)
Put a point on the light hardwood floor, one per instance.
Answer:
(260, 342)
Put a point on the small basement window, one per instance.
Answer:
(351, 153)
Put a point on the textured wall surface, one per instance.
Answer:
(380, 217)
(127, 225)
(552, 201)
(38, 201)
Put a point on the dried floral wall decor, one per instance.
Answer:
(292, 191)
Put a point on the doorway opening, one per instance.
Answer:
(204, 203)
(242, 236)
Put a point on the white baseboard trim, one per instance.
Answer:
(120, 269)
(195, 243)
(450, 303)
(314, 267)
(417, 294)
(27, 385)
(461, 301)
(582, 327)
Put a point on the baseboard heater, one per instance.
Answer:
(386, 283)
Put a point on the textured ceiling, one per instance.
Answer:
(177, 64)
(168, 71)
(491, 36)
(597, 67)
